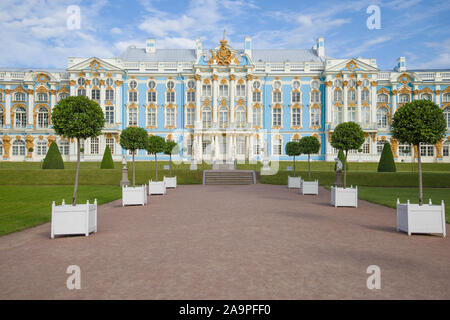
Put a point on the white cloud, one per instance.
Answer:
(365, 46)
(116, 30)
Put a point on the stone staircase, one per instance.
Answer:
(228, 177)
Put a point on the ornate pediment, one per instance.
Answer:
(223, 56)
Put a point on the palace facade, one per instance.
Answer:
(220, 104)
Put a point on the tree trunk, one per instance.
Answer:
(133, 169)
(345, 169)
(156, 165)
(170, 164)
(75, 188)
(419, 163)
(294, 166)
(309, 168)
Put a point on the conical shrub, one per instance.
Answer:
(107, 161)
(53, 159)
(387, 163)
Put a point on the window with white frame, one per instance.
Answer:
(63, 147)
(1, 118)
(189, 146)
(277, 85)
(351, 83)
(426, 150)
(206, 90)
(240, 117)
(190, 116)
(1, 148)
(365, 96)
(42, 118)
(315, 117)
(277, 146)
(404, 150)
(109, 82)
(18, 148)
(21, 117)
(132, 116)
(19, 96)
(170, 117)
(446, 97)
(276, 117)
(276, 97)
(338, 115)
(206, 117)
(427, 96)
(338, 83)
(446, 149)
(296, 85)
(337, 95)
(382, 118)
(1, 96)
(170, 85)
(296, 97)
(403, 98)
(447, 116)
(133, 84)
(256, 96)
(256, 85)
(240, 145)
(110, 143)
(223, 117)
(365, 115)
(380, 146)
(315, 97)
(81, 92)
(62, 96)
(95, 144)
(383, 98)
(151, 117)
(190, 96)
(151, 84)
(41, 148)
(223, 90)
(151, 96)
(366, 146)
(296, 117)
(315, 84)
(42, 97)
(256, 148)
(240, 90)
(352, 96)
(132, 96)
(95, 94)
(95, 82)
(257, 116)
(191, 84)
(351, 114)
(109, 95)
(109, 114)
(81, 81)
(170, 97)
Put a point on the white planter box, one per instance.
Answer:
(79, 219)
(294, 182)
(134, 196)
(310, 187)
(171, 182)
(156, 187)
(427, 218)
(344, 197)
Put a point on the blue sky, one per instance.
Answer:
(34, 33)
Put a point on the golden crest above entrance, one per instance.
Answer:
(223, 56)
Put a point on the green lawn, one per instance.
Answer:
(27, 206)
(388, 196)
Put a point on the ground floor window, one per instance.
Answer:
(110, 144)
(18, 148)
(380, 146)
(277, 147)
(426, 150)
(366, 146)
(64, 148)
(351, 114)
(41, 148)
(404, 150)
(241, 145)
(445, 149)
(95, 146)
(257, 149)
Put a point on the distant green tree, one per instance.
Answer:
(171, 147)
(107, 161)
(293, 149)
(155, 145)
(386, 163)
(80, 118)
(132, 139)
(309, 145)
(347, 136)
(53, 159)
(417, 122)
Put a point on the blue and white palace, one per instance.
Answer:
(220, 104)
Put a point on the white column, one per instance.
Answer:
(345, 108)
(250, 148)
(8, 110)
(250, 102)
(358, 111)
(328, 101)
(438, 96)
(394, 103)
(72, 89)
(373, 102)
(232, 104)
(53, 97)
(118, 105)
(198, 85)
(415, 92)
(215, 97)
(102, 97)
(30, 106)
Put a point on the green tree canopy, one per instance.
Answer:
(171, 147)
(80, 118)
(107, 161)
(417, 122)
(387, 163)
(347, 136)
(309, 145)
(53, 159)
(292, 149)
(132, 139)
(156, 145)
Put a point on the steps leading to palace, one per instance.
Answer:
(228, 177)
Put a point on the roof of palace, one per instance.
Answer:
(139, 54)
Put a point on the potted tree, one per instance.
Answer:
(171, 147)
(309, 145)
(79, 118)
(346, 136)
(293, 149)
(155, 145)
(415, 123)
(132, 139)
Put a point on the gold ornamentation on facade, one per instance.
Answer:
(374, 83)
(30, 91)
(223, 102)
(416, 92)
(437, 92)
(223, 81)
(224, 56)
(374, 136)
(214, 77)
(72, 83)
(206, 103)
(329, 136)
(197, 77)
(358, 83)
(87, 82)
(109, 75)
(394, 146)
(426, 90)
(394, 92)
(102, 82)
(404, 89)
(415, 152)
(81, 74)
(232, 77)
(19, 89)
(51, 139)
(94, 64)
(52, 92)
(6, 146)
(42, 89)
(345, 83)
(118, 83)
(7, 91)
(328, 83)
(249, 77)
(446, 90)
(351, 65)
(29, 144)
(404, 78)
(438, 146)
(383, 90)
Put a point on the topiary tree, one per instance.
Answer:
(132, 139)
(53, 159)
(107, 161)
(386, 163)
(155, 145)
(171, 147)
(347, 136)
(293, 149)
(309, 145)
(341, 156)
(417, 122)
(80, 118)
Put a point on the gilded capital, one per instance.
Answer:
(328, 83)
(358, 83)
(437, 91)
(72, 83)
(374, 83)
(7, 91)
(345, 83)
(30, 91)
(394, 92)
(118, 83)
(249, 77)
(102, 82)
(214, 77)
(232, 77)
(197, 77)
(416, 92)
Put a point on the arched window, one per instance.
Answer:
(95, 82)
(365, 115)
(256, 96)
(151, 117)
(21, 117)
(109, 94)
(338, 83)
(277, 146)
(223, 90)
(95, 145)
(132, 116)
(190, 116)
(276, 97)
(170, 117)
(42, 117)
(296, 117)
(223, 117)
(315, 117)
(41, 148)
(133, 84)
(206, 117)
(18, 148)
(383, 98)
(315, 84)
(382, 118)
(446, 97)
(81, 81)
(81, 92)
(257, 116)
(63, 146)
(337, 95)
(151, 96)
(427, 96)
(170, 85)
(366, 146)
(351, 114)
(365, 95)
(240, 90)
(338, 116)
(352, 95)
(109, 82)
(276, 117)
(403, 98)
(240, 117)
(447, 116)
(206, 90)
(19, 96)
(170, 97)
(190, 96)
(109, 114)
(42, 97)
